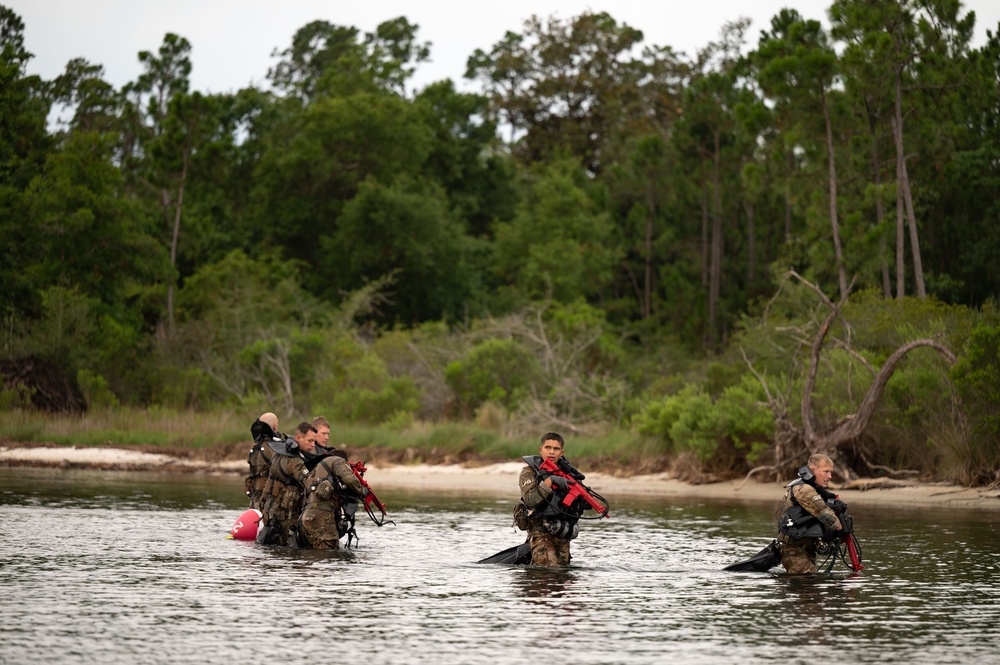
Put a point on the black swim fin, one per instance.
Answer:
(515, 556)
(761, 562)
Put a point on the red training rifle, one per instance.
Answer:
(359, 469)
(574, 489)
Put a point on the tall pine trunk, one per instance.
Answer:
(715, 269)
(834, 223)
(903, 182)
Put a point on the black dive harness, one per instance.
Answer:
(796, 521)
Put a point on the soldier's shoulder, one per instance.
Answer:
(803, 490)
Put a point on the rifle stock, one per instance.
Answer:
(575, 489)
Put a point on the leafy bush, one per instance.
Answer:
(976, 376)
(690, 421)
(498, 370)
(363, 392)
(95, 390)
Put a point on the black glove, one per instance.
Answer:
(848, 525)
(558, 482)
(838, 506)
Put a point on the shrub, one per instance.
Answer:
(95, 390)
(498, 370)
(976, 377)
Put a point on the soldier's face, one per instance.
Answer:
(306, 441)
(551, 450)
(823, 475)
(323, 435)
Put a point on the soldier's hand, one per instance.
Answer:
(838, 506)
(559, 481)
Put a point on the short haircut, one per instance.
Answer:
(304, 428)
(320, 421)
(818, 460)
(552, 436)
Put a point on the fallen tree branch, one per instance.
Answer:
(773, 468)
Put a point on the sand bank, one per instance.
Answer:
(501, 478)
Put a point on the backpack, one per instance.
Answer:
(521, 516)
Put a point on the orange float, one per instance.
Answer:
(245, 527)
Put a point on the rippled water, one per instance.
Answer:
(135, 568)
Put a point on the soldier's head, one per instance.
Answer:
(552, 447)
(822, 468)
(305, 436)
(322, 430)
(264, 428)
(270, 419)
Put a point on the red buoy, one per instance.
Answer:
(245, 527)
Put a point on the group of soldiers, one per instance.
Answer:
(308, 494)
(305, 490)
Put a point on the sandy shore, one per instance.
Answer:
(502, 479)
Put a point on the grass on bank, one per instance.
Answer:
(417, 443)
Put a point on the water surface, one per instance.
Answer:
(136, 568)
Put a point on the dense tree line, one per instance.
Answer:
(597, 226)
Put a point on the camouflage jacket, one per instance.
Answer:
(327, 481)
(805, 495)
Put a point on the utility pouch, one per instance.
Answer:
(289, 500)
(521, 516)
(324, 490)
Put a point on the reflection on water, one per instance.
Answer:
(135, 568)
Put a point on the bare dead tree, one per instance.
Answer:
(793, 443)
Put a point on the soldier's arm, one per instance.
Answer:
(343, 471)
(297, 470)
(814, 504)
(533, 493)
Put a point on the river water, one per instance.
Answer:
(101, 567)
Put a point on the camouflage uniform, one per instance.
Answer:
(546, 549)
(798, 555)
(259, 460)
(324, 488)
(282, 500)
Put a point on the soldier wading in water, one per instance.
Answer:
(550, 524)
(809, 515)
(329, 503)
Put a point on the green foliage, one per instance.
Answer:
(314, 161)
(496, 370)
(66, 330)
(559, 245)
(691, 421)
(976, 376)
(96, 391)
(15, 397)
(406, 230)
(179, 388)
(658, 418)
(886, 324)
(367, 394)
